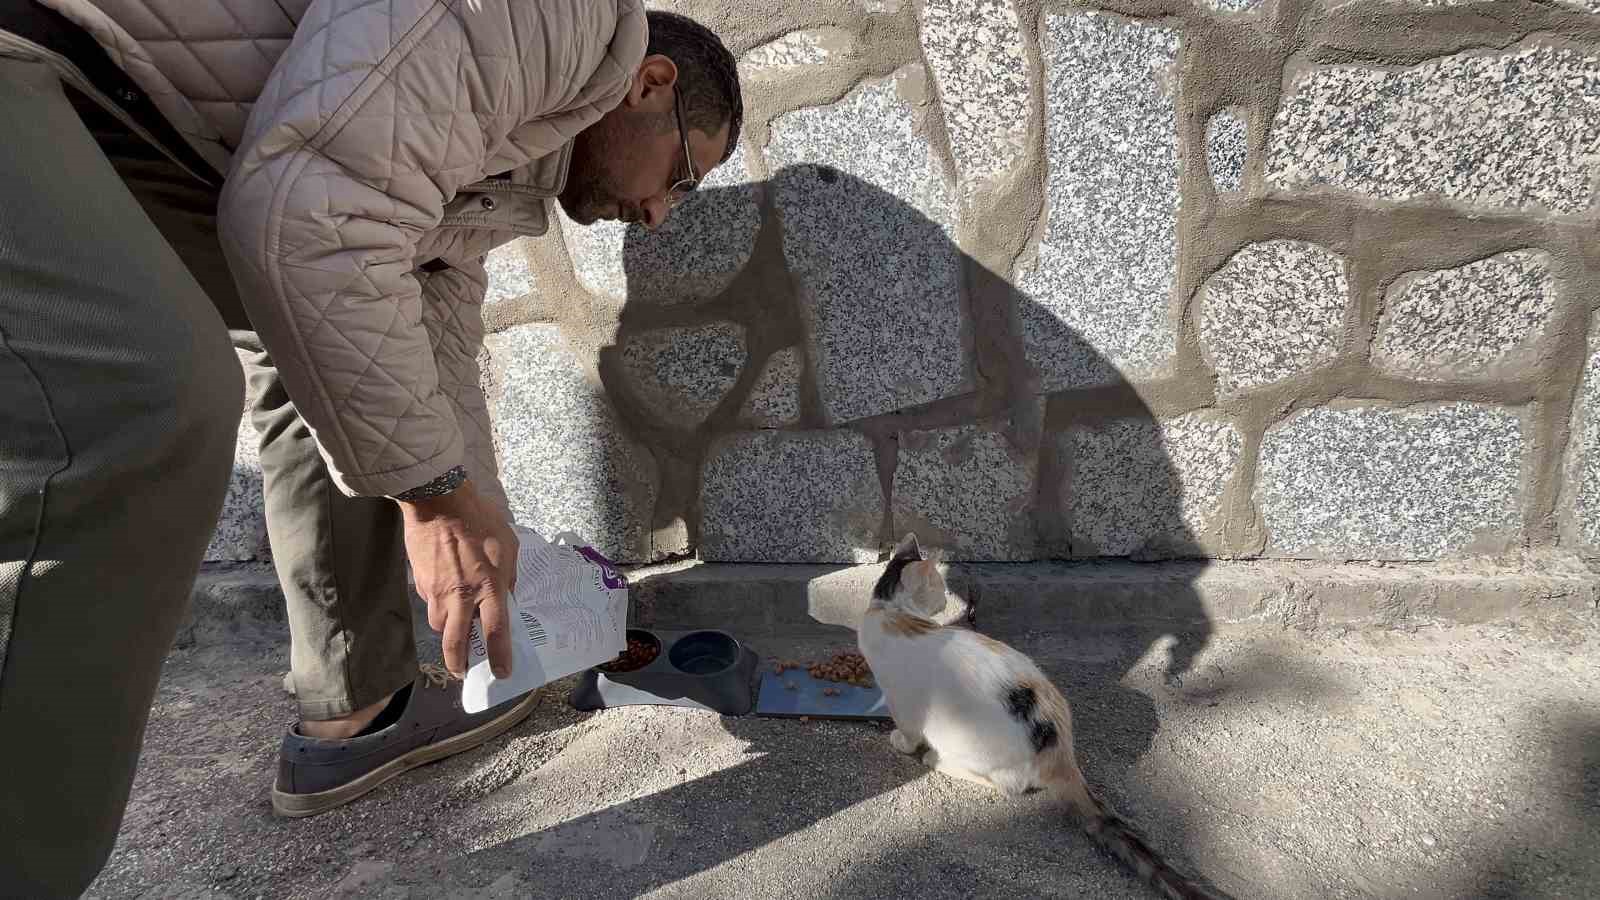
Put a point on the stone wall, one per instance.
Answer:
(1233, 279)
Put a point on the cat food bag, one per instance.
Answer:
(569, 611)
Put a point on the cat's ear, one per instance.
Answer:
(908, 548)
(926, 587)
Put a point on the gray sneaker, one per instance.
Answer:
(316, 775)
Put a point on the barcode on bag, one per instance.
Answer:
(536, 635)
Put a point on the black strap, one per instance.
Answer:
(434, 265)
(57, 33)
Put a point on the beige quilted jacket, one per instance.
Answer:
(364, 141)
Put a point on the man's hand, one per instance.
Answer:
(464, 557)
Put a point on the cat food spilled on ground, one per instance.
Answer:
(638, 655)
(848, 667)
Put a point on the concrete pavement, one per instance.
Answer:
(1439, 761)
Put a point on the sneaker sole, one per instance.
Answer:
(299, 806)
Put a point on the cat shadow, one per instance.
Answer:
(818, 232)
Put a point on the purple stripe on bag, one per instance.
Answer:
(608, 569)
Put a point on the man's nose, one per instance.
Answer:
(654, 213)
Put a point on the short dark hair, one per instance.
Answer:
(708, 76)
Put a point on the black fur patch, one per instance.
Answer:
(1020, 701)
(890, 579)
(1043, 736)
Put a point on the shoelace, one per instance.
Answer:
(436, 675)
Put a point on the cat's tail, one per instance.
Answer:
(1119, 838)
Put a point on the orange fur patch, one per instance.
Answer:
(991, 643)
(1058, 771)
(1053, 706)
(905, 625)
(1058, 766)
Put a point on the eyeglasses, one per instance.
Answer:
(682, 187)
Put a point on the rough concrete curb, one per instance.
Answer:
(1305, 596)
(234, 602)
(243, 602)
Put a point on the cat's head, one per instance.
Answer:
(911, 582)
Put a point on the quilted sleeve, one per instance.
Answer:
(378, 113)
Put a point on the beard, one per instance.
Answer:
(600, 152)
(589, 195)
(585, 201)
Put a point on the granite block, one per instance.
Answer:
(794, 51)
(967, 491)
(1100, 289)
(566, 460)
(1509, 130)
(1141, 487)
(1392, 484)
(1276, 309)
(791, 497)
(241, 533)
(774, 400)
(1227, 148)
(694, 255)
(1580, 502)
(681, 374)
(867, 216)
(1484, 319)
(976, 52)
(510, 276)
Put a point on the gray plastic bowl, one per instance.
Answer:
(702, 669)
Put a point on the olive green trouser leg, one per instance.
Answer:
(341, 562)
(119, 402)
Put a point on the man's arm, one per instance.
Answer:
(373, 119)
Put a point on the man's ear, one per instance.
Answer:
(652, 84)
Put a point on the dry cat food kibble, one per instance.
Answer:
(848, 667)
(638, 655)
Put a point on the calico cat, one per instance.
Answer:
(975, 708)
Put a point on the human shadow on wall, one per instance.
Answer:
(817, 272)
(853, 232)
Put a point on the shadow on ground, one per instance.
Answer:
(1558, 852)
(1448, 763)
(833, 796)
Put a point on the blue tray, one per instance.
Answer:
(806, 698)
